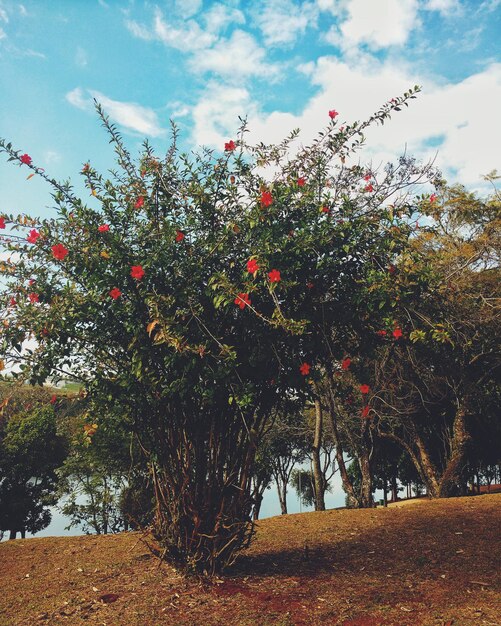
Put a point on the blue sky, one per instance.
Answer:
(282, 63)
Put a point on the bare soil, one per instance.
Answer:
(433, 563)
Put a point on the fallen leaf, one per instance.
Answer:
(108, 598)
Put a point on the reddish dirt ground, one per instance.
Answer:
(435, 563)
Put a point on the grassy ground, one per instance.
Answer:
(432, 563)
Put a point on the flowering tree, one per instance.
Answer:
(192, 295)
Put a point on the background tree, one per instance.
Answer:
(437, 380)
(30, 451)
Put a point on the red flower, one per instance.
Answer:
(242, 300)
(266, 198)
(433, 197)
(179, 235)
(364, 389)
(2, 222)
(115, 293)
(13, 301)
(392, 269)
(346, 364)
(310, 285)
(333, 114)
(274, 276)
(381, 333)
(367, 177)
(397, 333)
(33, 298)
(31, 281)
(301, 182)
(53, 399)
(305, 369)
(252, 266)
(104, 228)
(139, 202)
(369, 188)
(59, 251)
(33, 236)
(365, 411)
(26, 159)
(230, 146)
(137, 272)
(325, 209)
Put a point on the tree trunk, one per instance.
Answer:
(366, 498)
(394, 488)
(421, 460)
(282, 497)
(427, 468)
(347, 484)
(318, 477)
(460, 438)
(258, 499)
(12, 534)
(385, 491)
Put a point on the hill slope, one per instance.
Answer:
(433, 563)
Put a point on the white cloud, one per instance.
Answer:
(188, 37)
(130, 115)
(379, 24)
(215, 117)
(22, 10)
(3, 34)
(3, 16)
(459, 113)
(235, 58)
(443, 6)
(51, 156)
(77, 99)
(139, 30)
(187, 8)
(282, 21)
(489, 5)
(220, 16)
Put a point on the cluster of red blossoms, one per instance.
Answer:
(59, 251)
(242, 300)
(266, 199)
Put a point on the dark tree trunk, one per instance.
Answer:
(12, 534)
(345, 479)
(385, 492)
(460, 438)
(394, 488)
(366, 498)
(258, 500)
(364, 460)
(318, 477)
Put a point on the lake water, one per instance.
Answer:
(269, 507)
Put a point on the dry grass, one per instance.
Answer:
(432, 563)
